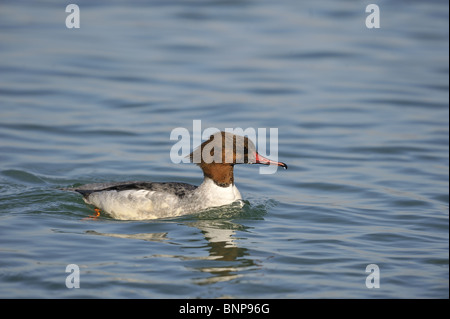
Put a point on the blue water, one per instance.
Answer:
(362, 117)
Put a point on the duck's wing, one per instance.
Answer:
(175, 188)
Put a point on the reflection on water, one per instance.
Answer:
(143, 236)
(225, 258)
(222, 246)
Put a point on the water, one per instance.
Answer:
(362, 118)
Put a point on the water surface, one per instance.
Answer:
(362, 117)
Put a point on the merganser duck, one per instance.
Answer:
(150, 200)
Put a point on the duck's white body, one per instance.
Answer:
(158, 200)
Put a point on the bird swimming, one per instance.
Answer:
(216, 157)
